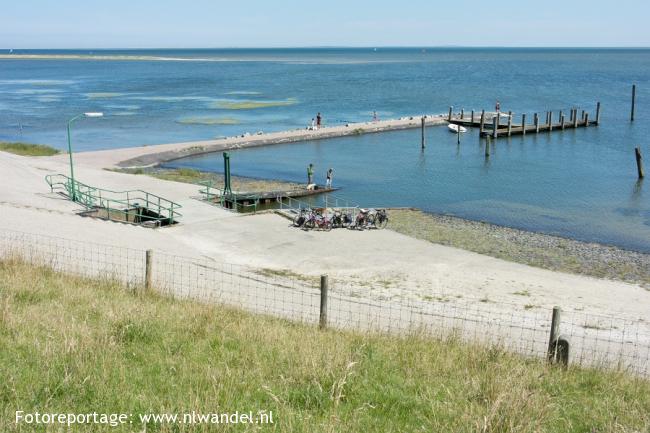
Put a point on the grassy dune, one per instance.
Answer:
(27, 149)
(76, 345)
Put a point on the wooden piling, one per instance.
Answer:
(562, 120)
(639, 162)
(509, 123)
(575, 117)
(586, 119)
(322, 322)
(462, 113)
(450, 110)
(487, 146)
(523, 124)
(423, 135)
(472, 118)
(495, 126)
(482, 121)
(597, 113)
(550, 120)
(633, 102)
(536, 120)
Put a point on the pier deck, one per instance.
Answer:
(502, 124)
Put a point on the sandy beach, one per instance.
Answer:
(387, 264)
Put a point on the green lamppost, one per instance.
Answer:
(72, 190)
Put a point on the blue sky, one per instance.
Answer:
(286, 23)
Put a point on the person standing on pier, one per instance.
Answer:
(313, 124)
(328, 182)
(374, 116)
(497, 107)
(318, 121)
(310, 174)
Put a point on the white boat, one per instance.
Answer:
(454, 128)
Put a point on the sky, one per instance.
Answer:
(291, 23)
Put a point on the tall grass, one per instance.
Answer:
(28, 149)
(76, 345)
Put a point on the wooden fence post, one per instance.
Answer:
(322, 322)
(554, 334)
(148, 269)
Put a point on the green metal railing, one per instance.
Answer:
(239, 201)
(141, 206)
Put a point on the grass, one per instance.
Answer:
(28, 149)
(75, 345)
(532, 249)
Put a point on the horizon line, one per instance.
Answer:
(342, 47)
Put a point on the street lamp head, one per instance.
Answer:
(94, 114)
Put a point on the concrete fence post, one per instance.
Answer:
(148, 269)
(324, 285)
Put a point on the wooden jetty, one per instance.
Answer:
(502, 124)
(237, 199)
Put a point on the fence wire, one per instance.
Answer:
(600, 341)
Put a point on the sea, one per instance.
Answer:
(580, 184)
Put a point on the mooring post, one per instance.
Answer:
(586, 119)
(482, 122)
(523, 124)
(562, 119)
(633, 102)
(472, 118)
(509, 123)
(462, 113)
(148, 268)
(487, 146)
(639, 162)
(582, 117)
(458, 135)
(597, 113)
(536, 120)
(554, 335)
(575, 117)
(423, 135)
(450, 110)
(322, 322)
(550, 120)
(495, 125)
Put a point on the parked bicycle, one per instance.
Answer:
(317, 219)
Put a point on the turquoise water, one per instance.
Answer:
(580, 184)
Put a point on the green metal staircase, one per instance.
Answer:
(133, 206)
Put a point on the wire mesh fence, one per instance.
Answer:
(603, 341)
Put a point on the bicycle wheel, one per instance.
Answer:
(370, 220)
(327, 225)
(381, 222)
(298, 220)
(309, 224)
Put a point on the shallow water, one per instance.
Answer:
(580, 184)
